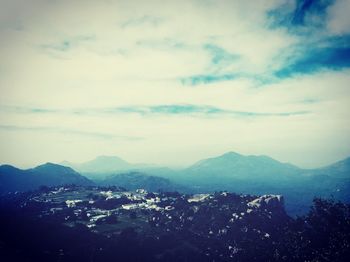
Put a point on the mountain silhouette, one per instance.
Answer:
(49, 174)
(104, 165)
(234, 165)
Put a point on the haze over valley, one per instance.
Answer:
(231, 171)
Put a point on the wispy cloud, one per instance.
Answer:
(220, 56)
(27, 110)
(144, 20)
(181, 109)
(62, 46)
(162, 44)
(206, 79)
(67, 43)
(203, 110)
(171, 109)
(59, 130)
(220, 59)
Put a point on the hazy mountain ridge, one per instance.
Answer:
(230, 165)
(137, 180)
(104, 165)
(234, 165)
(338, 169)
(49, 174)
(231, 171)
(260, 175)
(264, 175)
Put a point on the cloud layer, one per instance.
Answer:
(170, 82)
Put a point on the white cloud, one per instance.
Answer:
(66, 56)
(338, 17)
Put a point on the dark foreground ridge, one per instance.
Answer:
(112, 224)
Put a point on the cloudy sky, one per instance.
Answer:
(171, 82)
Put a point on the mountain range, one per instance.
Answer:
(247, 174)
(230, 165)
(252, 174)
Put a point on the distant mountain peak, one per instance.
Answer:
(235, 155)
(102, 164)
(105, 157)
(49, 164)
(235, 165)
(231, 154)
(48, 174)
(7, 166)
(339, 168)
(53, 168)
(346, 160)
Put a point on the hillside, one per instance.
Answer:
(136, 180)
(15, 179)
(234, 165)
(263, 175)
(76, 224)
(340, 169)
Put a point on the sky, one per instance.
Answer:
(172, 82)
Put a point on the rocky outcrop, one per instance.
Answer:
(268, 202)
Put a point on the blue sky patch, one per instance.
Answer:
(301, 13)
(333, 58)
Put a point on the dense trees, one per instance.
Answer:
(321, 235)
